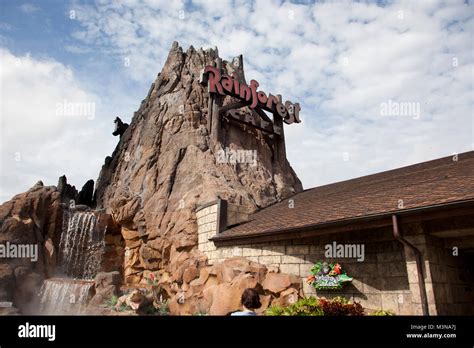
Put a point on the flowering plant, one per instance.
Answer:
(152, 279)
(327, 276)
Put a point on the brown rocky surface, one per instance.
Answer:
(33, 218)
(218, 289)
(277, 282)
(164, 166)
(106, 285)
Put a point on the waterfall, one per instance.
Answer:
(64, 296)
(81, 246)
(80, 252)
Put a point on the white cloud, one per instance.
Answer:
(40, 140)
(29, 8)
(340, 60)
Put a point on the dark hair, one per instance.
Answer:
(250, 299)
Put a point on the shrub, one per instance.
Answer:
(339, 306)
(308, 306)
(275, 310)
(112, 302)
(163, 308)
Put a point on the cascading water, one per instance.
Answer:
(64, 296)
(82, 246)
(80, 253)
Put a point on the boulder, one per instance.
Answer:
(277, 282)
(238, 264)
(106, 285)
(33, 217)
(226, 297)
(129, 234)
(190, 274)
(103, 279)
(265, 301)
(287, 297)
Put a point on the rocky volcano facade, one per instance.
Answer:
(166, 165)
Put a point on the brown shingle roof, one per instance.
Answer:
(436, 182)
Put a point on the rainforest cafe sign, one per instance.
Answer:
(223, 84)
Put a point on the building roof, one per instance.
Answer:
(439, 182)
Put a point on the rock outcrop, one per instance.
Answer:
(36, 219)
(164, 166)
(86, 194)
(30, 219)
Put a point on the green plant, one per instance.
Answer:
(200, 313)
(338, 306)
(123, 307)
(308, 306)
(111, 302)
(163, 308)
(327, 276)
(275, 310)
(381, 312)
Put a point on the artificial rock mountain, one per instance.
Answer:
(165, 166)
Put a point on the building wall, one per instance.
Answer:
(386, 279)
(450, 278)
(380, 281)
(449, 282)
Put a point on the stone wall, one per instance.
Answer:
(386, 279)
(207, 217)
(380, 281)
(450, 279)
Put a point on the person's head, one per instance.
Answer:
(250, 299)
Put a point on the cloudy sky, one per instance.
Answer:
(381, 84)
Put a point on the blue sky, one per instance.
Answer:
(343, 61)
